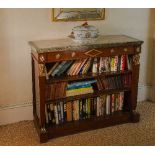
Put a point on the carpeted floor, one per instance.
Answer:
(142, 133)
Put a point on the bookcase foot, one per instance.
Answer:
(43, 135)
(135, 117)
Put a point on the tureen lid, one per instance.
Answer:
(84, 27)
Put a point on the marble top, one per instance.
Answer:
(69, 44)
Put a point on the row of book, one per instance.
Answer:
(116, 63)
(62, 112)
(92, 65)
(114, 82)
(62, 89)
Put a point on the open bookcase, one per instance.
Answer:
(81, 87)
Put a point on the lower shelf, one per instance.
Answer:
(89, 124)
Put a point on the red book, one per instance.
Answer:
(123, 62)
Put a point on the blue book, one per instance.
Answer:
(77, 84)
(78, 87)
(58, 68)
(64, 68)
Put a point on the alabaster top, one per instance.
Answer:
(68, 44)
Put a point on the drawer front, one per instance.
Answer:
(72, 55)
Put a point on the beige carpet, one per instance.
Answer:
(142, 133)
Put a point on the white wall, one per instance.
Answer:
(18, 26)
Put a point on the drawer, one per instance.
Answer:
(120, 50)
(103, 52)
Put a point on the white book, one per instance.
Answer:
(56, 114)
(108, 105)
(94, 69)
(62, 111)
(121, 100)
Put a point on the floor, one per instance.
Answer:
(142, 133)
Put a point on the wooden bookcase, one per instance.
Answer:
(49, 51)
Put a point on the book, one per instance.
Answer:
(123, 63)
(121, 100)
(53, 68)
(112, 103)
(94, 68)
(56, 114)
(79, 91)
(108, 105)
(65, 112)
(58, 68)
(64, 68)
(81, 83)
(81, 66)
(86, 67)
(52, 113)
(72, 68)
(69, 111)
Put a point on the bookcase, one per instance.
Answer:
(80, 87)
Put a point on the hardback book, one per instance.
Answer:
(102, 65)
(89, 107)
(99, 111)
(79, 84)
(121, 100)
(64, 68)
(77, 67)
(52, 113)
(108, 105)
(107, 64)
(72, 69)
(79, 91)
(80, 110)
(53, 68)
(65, 111)
(115, 63)
(56, 114)
(86, 66)
(116, 102)
(95, 69)
(103, 104)
(112, 103)
(61, 112)
(123, 63)
(112, 64)
(69, 111)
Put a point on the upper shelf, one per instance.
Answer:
(86, 76)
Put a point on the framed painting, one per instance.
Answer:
(78, 14)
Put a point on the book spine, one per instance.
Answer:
(94, 69)
(52, 113)
(108, 105)
(56, 114)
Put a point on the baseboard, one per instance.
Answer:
(15, 113)
(152, 94)
(18, 112)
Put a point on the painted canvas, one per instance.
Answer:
(78, 14)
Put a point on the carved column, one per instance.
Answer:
(42, 79)
(135, 78)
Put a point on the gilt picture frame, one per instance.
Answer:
(77, 14)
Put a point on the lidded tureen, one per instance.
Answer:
(84, 32)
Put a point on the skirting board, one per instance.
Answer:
(15, 113)
(19, 112)
(152, 94)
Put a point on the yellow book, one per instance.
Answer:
(79, 91)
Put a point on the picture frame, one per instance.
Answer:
(77, 14)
